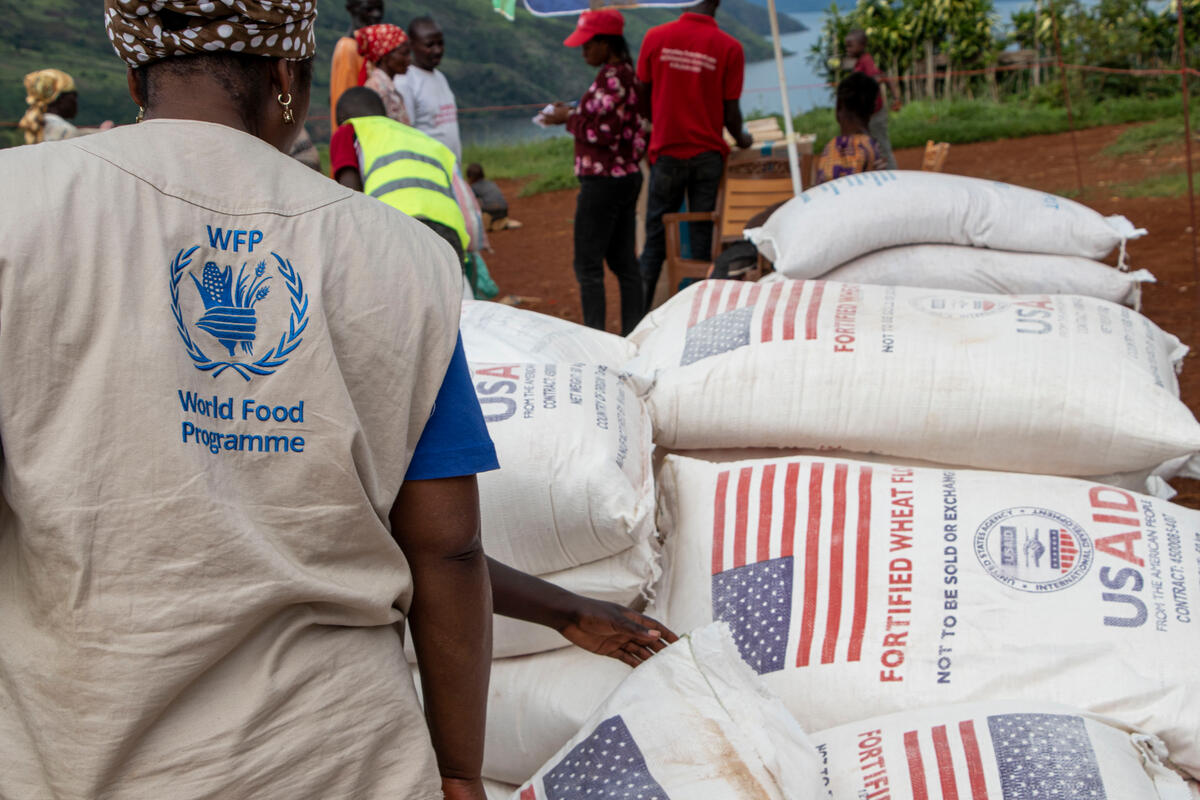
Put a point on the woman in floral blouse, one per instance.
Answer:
(610, 140)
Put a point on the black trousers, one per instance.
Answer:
(671, 179)
(606, 230)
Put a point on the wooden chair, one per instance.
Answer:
(935, 156)
(751, 183)
(764, 131)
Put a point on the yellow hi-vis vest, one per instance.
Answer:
(409, 171)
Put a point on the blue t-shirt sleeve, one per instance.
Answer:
(455, 441)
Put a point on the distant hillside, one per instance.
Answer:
(489, 60)
(755, 17)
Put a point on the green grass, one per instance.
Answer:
(550, 162)
(1171, 184)
(1151, 136)
(964, 121)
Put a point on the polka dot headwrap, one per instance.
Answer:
(141, 33)
(376, 41)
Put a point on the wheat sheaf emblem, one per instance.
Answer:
(229, 315)
(228, 310)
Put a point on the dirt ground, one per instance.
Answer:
(535, 261)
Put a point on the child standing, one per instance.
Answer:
(853, 150)
(491, 200)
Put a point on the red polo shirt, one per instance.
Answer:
(694, 67)
(866, 65)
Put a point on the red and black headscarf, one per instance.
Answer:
(375, 42)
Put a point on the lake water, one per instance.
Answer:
(760, 93)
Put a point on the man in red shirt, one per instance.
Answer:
(856, 49)
(692, 71)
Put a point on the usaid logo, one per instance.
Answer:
(248, 319)
(958, 307)
(1034, 549)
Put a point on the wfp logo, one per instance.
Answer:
(1034, 549)
(230, 316)
(229, 313)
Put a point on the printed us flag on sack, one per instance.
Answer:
(856, 589)
(692, 722)
(755, 583)
(726, 315)
(996, 751)
(1016, 382)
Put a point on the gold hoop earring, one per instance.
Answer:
(141, 115)
(288, 117)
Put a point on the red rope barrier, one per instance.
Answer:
(1067, 102)
(919, 76)
(1187, 140)
(1120, 71)
(517, 107)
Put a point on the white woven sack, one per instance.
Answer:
(970, 269)
(1051, 384)
(498, 791)
(996, 750)
(625, 579)
(537, 702)
(857, 589)
(575, 483)
(1143, 481)
(692, 722)
(841, 220)
(495, 332)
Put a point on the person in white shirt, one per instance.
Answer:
(425, 90)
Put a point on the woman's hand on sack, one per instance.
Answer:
(461, 789)
(558, 115)
(612, 630)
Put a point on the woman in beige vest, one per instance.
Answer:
(212, 400)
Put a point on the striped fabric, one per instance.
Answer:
(793, 536)
(726, 315)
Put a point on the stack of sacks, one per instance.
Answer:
(858, 589)
(692, 722)
(996, 750)
(1037, 243)
(573, 500)
(1064, 385)
(494, 332)
(573, 503)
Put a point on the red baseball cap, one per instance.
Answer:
(593, 23)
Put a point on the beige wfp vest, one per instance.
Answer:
(214, 367)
